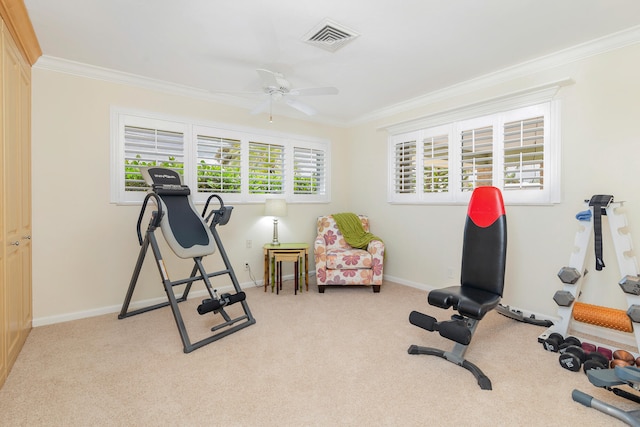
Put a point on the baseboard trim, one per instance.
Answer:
(67, 317)
(409, 283)
(202, 293)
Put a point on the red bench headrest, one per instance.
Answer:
(485, 206)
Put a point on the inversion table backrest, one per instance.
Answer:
(185, 231)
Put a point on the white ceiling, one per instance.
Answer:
(406, 48)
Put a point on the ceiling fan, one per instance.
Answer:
(277, 88)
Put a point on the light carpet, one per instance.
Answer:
(333, 359)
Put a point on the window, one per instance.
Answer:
(150, 147)
(266, 168)
(405, 165)
(309, 171)
(436, 163)
(219, 167)
(515, 151)
(239, 164)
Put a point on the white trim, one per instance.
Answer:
(60, 65)
(515, 106)
(190, 128)
(576, 53)
(77, 315)
(585, 50)
(409, 283)
(521, 98)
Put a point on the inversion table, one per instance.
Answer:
(609, 379)
(189, 235)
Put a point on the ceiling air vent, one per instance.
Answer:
(330, 36)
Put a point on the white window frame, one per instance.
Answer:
(191, 129)
(495, 113)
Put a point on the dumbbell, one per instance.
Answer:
(595, 360)
(556, 343)
(622, 358)
(574, 358)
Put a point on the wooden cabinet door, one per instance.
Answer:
(4, 365)
(17, 196)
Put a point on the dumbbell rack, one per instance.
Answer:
(627, 265)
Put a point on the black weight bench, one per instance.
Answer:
(189, 235)
(482, 281)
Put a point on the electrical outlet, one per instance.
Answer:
(246, 266)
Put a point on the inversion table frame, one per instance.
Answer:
(215, 303)
(609, 379)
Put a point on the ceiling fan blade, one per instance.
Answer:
(262, 106)
(310, 91)
(300, 106)
(237, 92)
(268, 78)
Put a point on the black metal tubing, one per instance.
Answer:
(483, 381)
(629, 417)
(197, 273)
(456, 355)
(156, 217)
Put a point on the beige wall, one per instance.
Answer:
(600, 155)
(84, 248)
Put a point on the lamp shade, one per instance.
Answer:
(275, 207)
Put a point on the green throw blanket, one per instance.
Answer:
(351, 228)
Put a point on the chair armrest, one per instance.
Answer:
(319, 242)
(320, 257)
(376, 249)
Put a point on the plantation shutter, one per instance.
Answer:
(266, 168)
(218, 165)
(309, 171)
(404, 176)
(476, 158)
(150, 147)
(524, 154)
(436, 164)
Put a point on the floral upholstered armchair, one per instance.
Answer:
(337, 263)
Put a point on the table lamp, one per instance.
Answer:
(275, 208)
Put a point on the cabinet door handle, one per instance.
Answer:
(27, 237)
(16, 243)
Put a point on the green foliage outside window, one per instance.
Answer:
(218, 178)
(133, 180)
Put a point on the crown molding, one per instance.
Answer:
(576, 53)
(15, 16)
(80, 69)
(595, 47)
(518, 99)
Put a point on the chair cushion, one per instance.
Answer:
(468, 301)
(348, 259)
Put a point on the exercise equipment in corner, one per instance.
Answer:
(610, 379)
(482, 282)
(189, 235)
(572, 275)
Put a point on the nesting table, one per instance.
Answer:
(274, 255)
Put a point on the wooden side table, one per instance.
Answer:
(302, 251)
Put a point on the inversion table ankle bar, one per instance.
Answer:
(189, 235)
(482, 281)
